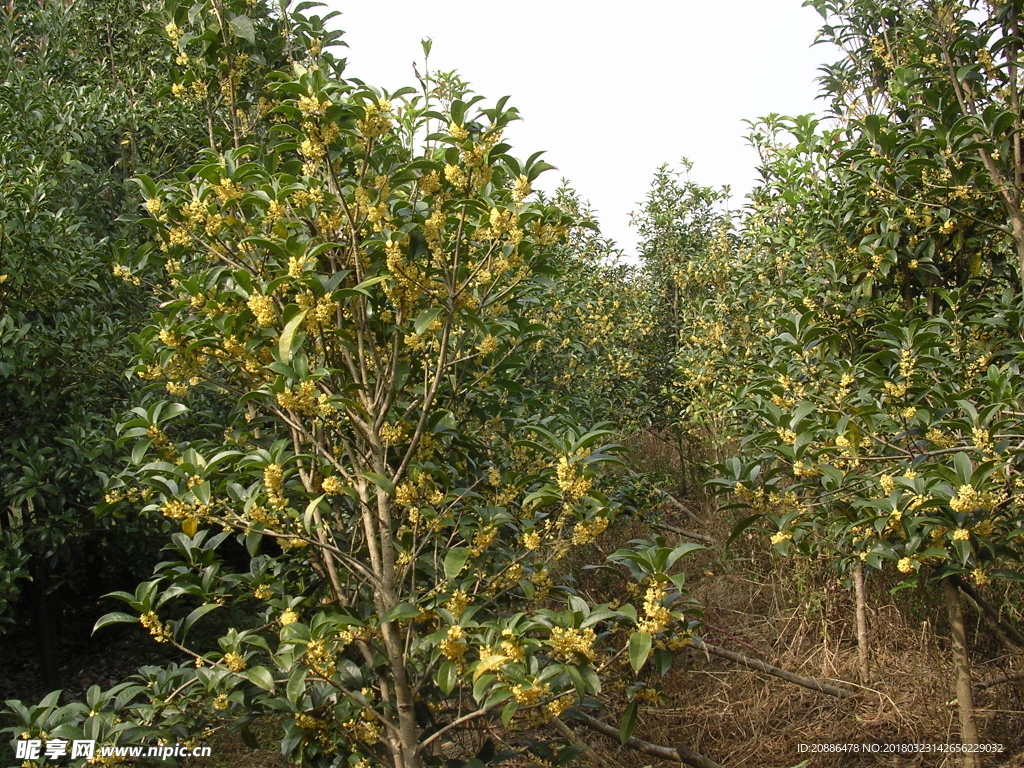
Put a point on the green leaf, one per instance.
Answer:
(380, 481)
(400, 611)
(628, 721)
(425, 318)
(296, 685)
(260, 676)
(242, 26)
(115, 618)
(287, 342)
(197, 614)
(363, 286)
(639, 649)
(964, 468)
(455, 561)
(307, 516)
(446, 676)
(508, 712)
(741, 526)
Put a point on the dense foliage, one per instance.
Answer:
(80, 114)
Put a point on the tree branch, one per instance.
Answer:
(791, 677)
(682, 755)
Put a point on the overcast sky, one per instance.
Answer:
(612, 91)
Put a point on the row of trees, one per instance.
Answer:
(865, 333)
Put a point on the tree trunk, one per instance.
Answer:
(964, 696)
(863, 650)
(43, 620)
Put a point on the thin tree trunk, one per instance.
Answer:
(863, 650)
(964, 695)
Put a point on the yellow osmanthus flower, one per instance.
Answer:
(573, 484)
(430, 183)
(983, 440)
(288, 617)
(263, 309)
(302, 399)
(394, 434)
(377, 121)
(787, 436)
(458, 132)
(263, 591)
(458, 602)
(528, 696)
(482, 540)
(455, 175)
(966, 499)
(228, 191)
(178, 236)
(273, 482)
(657, 616)
(176, 509)
(169, 338)
(487, 346)
(567, 643)
(521, 189)
(235, 661)
(531, 540)
(333, 486)
(311, 106)
(939, 438)
(320, 658)
(961, 534)
(907, 565)
(586, 532)
(160, 631)
(452, 647)
(405, 494)
(781, 536)
(895, 390)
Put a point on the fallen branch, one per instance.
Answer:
(576, 741)
(999, 681)
(688, 534)
(791, 677)
(1008, 634)
(679, 505)
(672, 754)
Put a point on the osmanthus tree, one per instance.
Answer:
(689, 253)
(80, 114)
(363, 303)
(933, 89)
(881, 423)
(594, 359)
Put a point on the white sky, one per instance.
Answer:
(611, 91)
